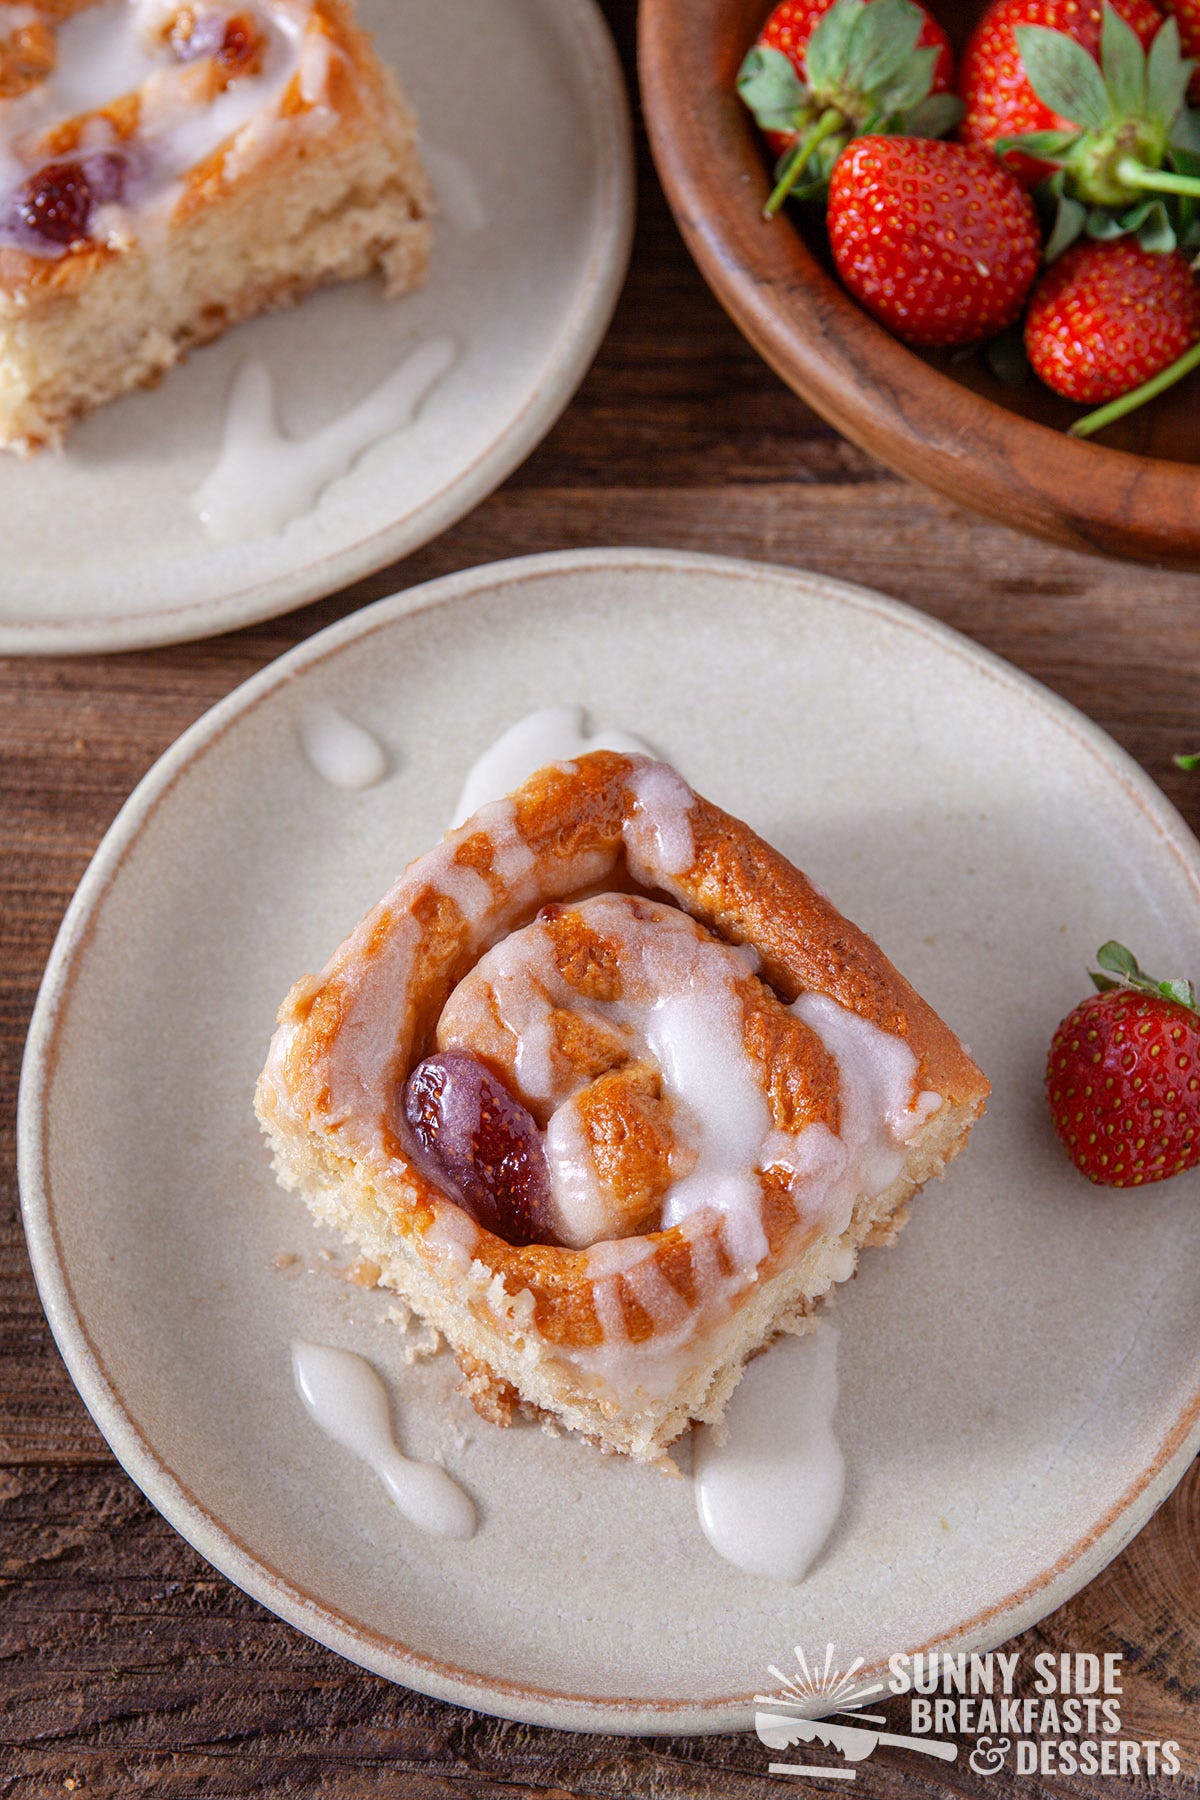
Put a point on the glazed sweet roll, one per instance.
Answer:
(168, 167)
(612, 1095)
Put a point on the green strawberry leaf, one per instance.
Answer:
(1167, 73)
(932, 117)
(1185, 138)
(1188, 762)
(1045, 146)
(912, 83)
(882, 42)
(1118, 960)
(1123, 65)
(1122, 963)
(1063, 76)
(1068, 216)
(828, 50)
(1005, 357)
(1156, 232)
(1184, 209)
(1103, 224)
(1148, 220)
(771, 88)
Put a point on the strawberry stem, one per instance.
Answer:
(1155, 181)
(1127, 403)
(797, 159)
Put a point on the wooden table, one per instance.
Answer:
(129, 1666)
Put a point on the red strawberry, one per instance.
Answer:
(791, 25)
(1107, 316)
(1123, 1077)
(938, 240)
(999, 99)
(822, 71)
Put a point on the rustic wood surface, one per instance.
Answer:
(129, 1666)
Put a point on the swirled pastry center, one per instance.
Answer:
(666, 1077)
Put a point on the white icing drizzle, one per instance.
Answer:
(659, 834)
(114, 48)
(341, 751)
(348, 1401)
(681, 1008)
(680, 1001)
(582, 1207)
(455, 185)
(769, 1487)
(470, 891)
(263, 479)
(453, 1234)
(878, 1073)
(555, 734)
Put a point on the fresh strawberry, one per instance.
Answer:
(993, 81)
(938, 240)
(1121, 149)
(792, 24)
(1123, 1077)
(1107, 316)
(822, 71)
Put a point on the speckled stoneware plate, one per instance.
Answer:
(1020, 1376)
(523, 105)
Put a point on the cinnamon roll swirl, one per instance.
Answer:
(612, 1095)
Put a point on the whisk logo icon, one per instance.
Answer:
(837, 1694)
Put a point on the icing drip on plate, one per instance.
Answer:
(551, 735)
(769, 1487)
(344, 753)
(348, 1401)
(264, 478)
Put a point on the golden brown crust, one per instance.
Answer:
(736, 885)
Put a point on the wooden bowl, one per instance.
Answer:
(941, 418)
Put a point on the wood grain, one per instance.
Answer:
(127, 1665)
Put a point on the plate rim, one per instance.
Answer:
(1073, 1569)
(576, 345)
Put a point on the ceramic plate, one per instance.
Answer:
(1020, 1375)
(524, 110)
